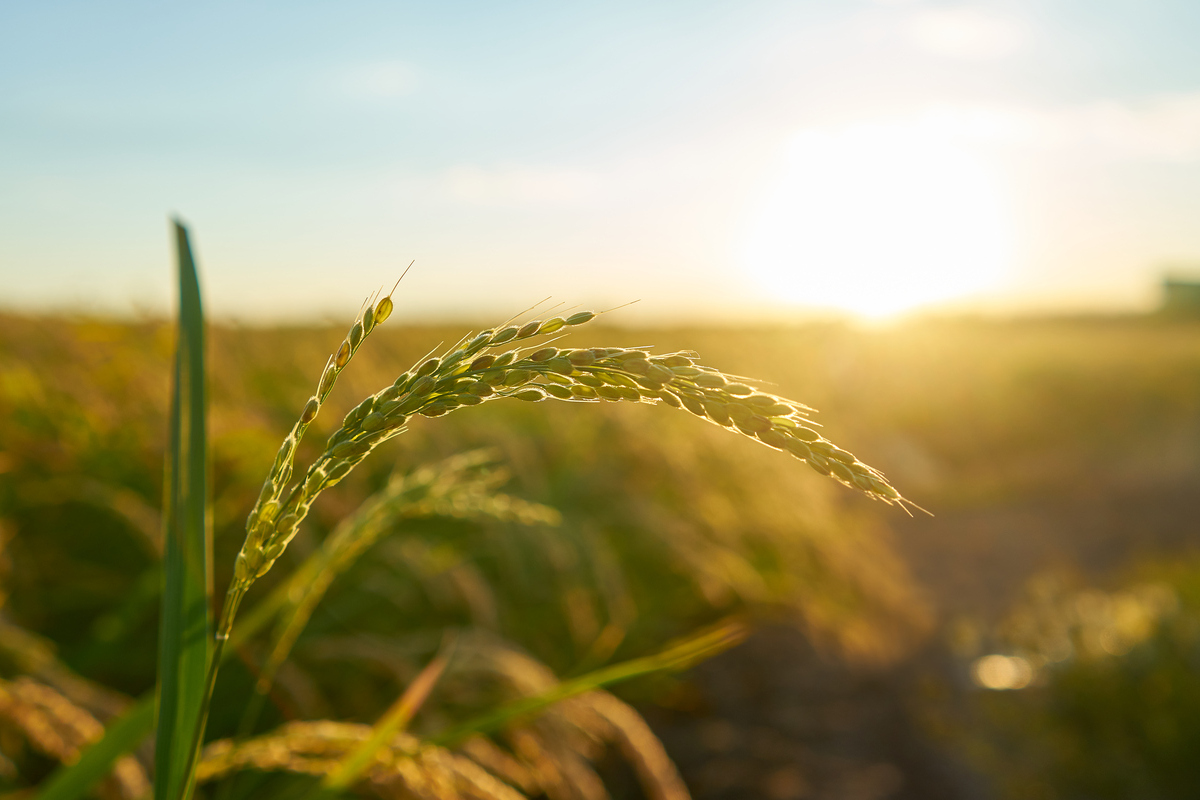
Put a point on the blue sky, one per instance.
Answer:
(717, 159)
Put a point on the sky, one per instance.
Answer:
(712, 160)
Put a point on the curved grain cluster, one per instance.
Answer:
(263, 545)
(487, 367)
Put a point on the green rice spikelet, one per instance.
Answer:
(506, 335)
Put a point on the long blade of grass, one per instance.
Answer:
(74, 781)
(679, 656)
(185, 629)
(392, 722)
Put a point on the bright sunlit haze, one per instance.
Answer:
(769, 160)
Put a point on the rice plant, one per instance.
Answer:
(535, 734)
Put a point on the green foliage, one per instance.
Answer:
(497, 568)
(185, 626)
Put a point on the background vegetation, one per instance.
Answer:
(1061, 448)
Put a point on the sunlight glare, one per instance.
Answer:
(879, 219)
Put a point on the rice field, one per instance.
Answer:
(1051, 452)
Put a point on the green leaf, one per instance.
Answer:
(680, 655)
(185, 632)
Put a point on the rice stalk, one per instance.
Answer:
(495, 364)
(480, 370)
(462, 486)
(404, 768)
(59, 728)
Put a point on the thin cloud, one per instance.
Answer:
(376, 80)
(517, 185)
(967, 33)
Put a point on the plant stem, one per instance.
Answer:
(233, 599)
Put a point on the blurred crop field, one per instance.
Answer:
(1037, 636)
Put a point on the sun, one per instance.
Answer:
(877, 220)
